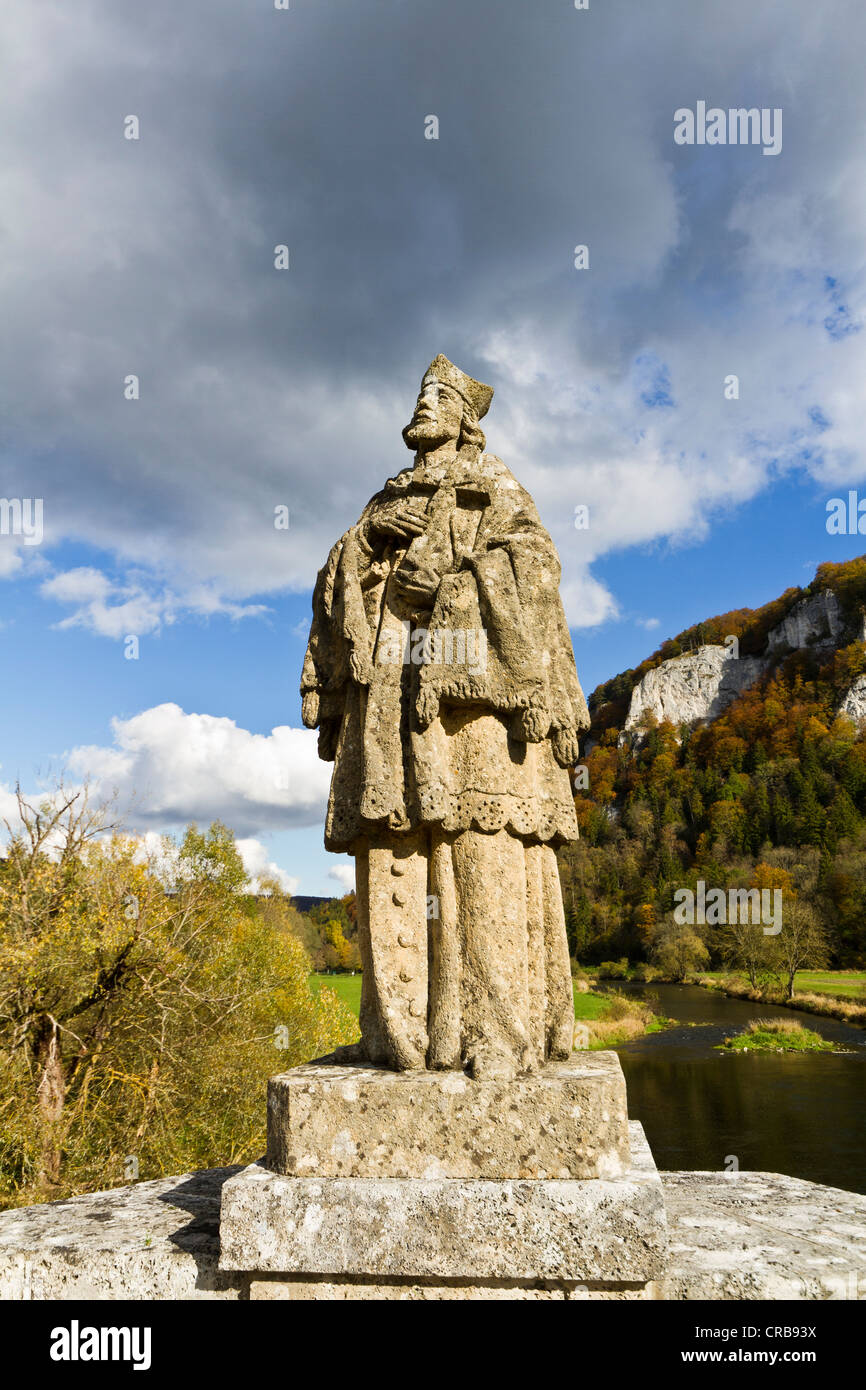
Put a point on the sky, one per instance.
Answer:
(261, 388)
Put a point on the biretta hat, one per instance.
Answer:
(475, 392)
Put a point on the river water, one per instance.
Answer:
(778, 1112)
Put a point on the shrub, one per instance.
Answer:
(678, 951)
(144, 1006)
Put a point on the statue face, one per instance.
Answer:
(438, 416)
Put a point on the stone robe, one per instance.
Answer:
(451, 729)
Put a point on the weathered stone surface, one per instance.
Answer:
(567, 1121)
(155, 1240)
(441, 677)
(815, 621)
(743, 1236)
(854, 703)
(687, 689)
(469, 1229)
(763, 1235)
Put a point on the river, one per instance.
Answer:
(779, 1112)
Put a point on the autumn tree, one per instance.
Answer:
(144, 1000)
(802, 942)
(678, 950)
(778, 770)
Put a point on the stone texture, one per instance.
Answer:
(854, 703)
(744, 1236)
(441, 676)
(469, 1229)
(290, 1287)
(763, 1235)
(151, 1240)
(568, 1121)
(815, 621)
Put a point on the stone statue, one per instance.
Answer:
(441, 677)
(460, 1149)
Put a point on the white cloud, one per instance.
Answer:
(8, 808)
(344, 874)
(260, 867)
(110, 610)
(82, 585)
(586, 602)
(10, 557)
(136, 607)
(168, 767)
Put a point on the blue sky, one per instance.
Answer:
(261, 388)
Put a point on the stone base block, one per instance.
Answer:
(567, 1122)
(608, 1234)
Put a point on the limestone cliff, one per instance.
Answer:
(694, 688)
(854, 703)
(815, 621)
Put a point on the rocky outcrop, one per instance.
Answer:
(692, 688)
(854, 704)
(699, 686)
(815, 621)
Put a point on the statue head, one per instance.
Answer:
(449, 407)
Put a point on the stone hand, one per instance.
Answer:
(419, 584)
(566, 748)
(310, 708)
(530, 725)
(399, 518)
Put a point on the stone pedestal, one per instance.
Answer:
(428, 1185)
(567, 1121)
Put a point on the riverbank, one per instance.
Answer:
(825, 1005)
(828, 994)
(700, 1104)
(613, 1018)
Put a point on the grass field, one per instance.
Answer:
(346, 987)
(847, 984)
(589, 1006)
